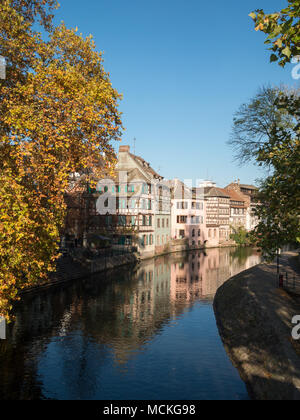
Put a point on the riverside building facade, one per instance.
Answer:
(142, 205)
(188, 214)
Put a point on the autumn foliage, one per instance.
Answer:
(59, 114)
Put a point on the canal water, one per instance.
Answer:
(145, 332)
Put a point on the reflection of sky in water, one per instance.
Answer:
(185, 361)
(145, 334)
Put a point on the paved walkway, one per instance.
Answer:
(254, 319)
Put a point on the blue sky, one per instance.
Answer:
(184, 68)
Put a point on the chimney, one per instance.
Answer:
(124, 149)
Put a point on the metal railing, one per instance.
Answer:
(289, 281)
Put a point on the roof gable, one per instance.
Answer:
(136, 175)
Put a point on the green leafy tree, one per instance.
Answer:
(280, 192)
(239, 236)
(283, 30)
(242, 237)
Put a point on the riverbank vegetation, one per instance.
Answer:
(242, 237)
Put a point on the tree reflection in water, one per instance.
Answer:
(83, 340)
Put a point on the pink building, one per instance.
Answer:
(188, 220)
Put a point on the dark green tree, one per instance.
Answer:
(280, 192)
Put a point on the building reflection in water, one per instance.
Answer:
(80, 330)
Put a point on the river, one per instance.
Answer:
(137, 333)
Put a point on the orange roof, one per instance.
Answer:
(235, 196)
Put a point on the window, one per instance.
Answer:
(158, 223)
(199, 232)
(150, 220)
(162, 223)
(167, 223)
(144, 221)
(108, 220)
(133, 221)
(193, 233)
(182, 234)
(151, 239)
(182, 205)
(122, 220)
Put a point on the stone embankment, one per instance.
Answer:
(69, 270)
(76, 268)
(254, 318)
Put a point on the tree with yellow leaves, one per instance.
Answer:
(59, 114)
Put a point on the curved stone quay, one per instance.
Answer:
(254, 318)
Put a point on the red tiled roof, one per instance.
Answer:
(235, 196)
(215, 192)
(249, 187)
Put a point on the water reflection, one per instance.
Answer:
(138, 333)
